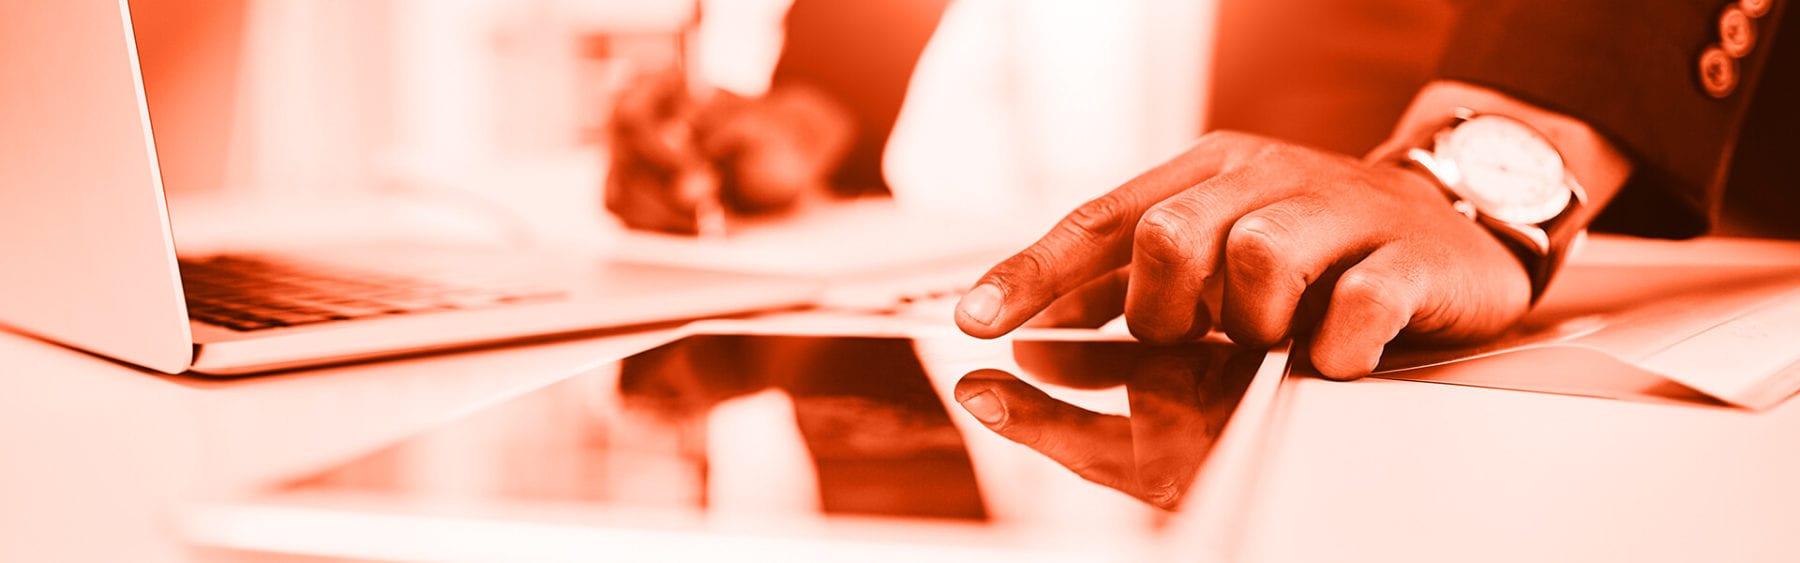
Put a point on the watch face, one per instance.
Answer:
(1506, 169)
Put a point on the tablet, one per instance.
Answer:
(794, 447)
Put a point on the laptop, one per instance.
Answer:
(88, 259)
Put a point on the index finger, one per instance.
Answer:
(1089, 242)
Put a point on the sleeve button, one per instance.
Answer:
(1737, 32)
(1755, 8)
(1718, 72)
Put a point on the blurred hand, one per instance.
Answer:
(1180, 398)
(1291, 240)
(672, 151)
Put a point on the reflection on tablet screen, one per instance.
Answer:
(1179, 397)
(880, 426)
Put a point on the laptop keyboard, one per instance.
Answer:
(247, 293)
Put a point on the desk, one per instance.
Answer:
(1382, 470)
(95, 453)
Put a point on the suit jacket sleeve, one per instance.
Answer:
(1632, 70)
(862, 54)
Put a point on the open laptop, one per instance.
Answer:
(87, 257)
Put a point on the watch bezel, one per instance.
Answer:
(1559, 191)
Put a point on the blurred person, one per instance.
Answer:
(818, 132)
(1411, 169)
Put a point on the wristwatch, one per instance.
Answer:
(1507, 177)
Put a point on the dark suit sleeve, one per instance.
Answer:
(861, 53)
(1631, 69)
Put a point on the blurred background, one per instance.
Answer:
(491, 108)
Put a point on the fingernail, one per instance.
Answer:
(988, 375)
(986, 407)
(982, 304)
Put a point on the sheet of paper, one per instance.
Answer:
(833, 241)
(1751, 360)
(1731, 332)
(871, 252)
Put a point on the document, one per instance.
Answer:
(1729, 333)
(870, 252)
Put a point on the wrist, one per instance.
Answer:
(1597, 165)
(1506, 176)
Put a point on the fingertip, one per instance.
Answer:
(1338, 364)
(1338, 375)
(1371, 304)
(978, 381)
(979, 393)
(1170, 330)
(978, 313)
(1250, 336)
(1164, 481)
(986, 407)
(972, 328)
(1253, 325)
(1153, 334)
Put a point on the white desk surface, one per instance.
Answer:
(93, 454)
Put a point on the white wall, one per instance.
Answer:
(313, 97)
(1041, 104)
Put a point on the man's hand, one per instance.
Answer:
(1297, 240)
(672, 153)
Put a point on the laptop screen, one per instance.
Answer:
(191, 57)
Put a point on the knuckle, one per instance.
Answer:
(1037, 263)
(1044, 435)
(1272, 152)
(1210, 140)
(1097, 219)
(1226, 136)
(1257, 239)
(1162, 235)
(1363, 289)
(1019, 273)
(1239, 147)
(1380, 298)
(1258, 263)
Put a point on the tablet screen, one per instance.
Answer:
(942, 429)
